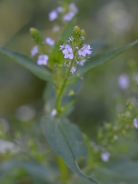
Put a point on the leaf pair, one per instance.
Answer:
(46, 75)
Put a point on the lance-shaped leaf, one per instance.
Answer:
(38, 173)
(97, 46)
(102, 58)
(28, 63)
(67, 141)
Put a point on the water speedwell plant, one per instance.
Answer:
(62, 62)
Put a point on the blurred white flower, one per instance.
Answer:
(124, 81)
(105, 156)
(8, 146)
(25, 113)
(115, 137)
(71, 39)
(56, 29)
(54, 112)
(42, 59)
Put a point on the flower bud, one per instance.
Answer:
(83, 33)
(36, 35)
(76, 32)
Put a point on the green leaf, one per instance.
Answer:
(97, 46)
(35, 170)
(67, 141)
(28, 63)
(102, 58)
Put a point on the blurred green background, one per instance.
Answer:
(111, 22)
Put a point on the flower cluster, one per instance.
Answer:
(67, 13)
(80, 56)
(42, 58)
(86, 49)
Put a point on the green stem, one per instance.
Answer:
(63, 169)
(58, 101)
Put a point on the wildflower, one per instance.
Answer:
(82, 52)
(53, 15)
(123, 81)
(82, 62)
(59, 9)
(61, 47)
(49, 41)
(105, 156)
(34, 51)
(54, 112)
(73, 70)
(67, 46)
(85, 50)
(135, 123)
(68, 52)
(68, 16)
(73, 8)
(42, 59)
